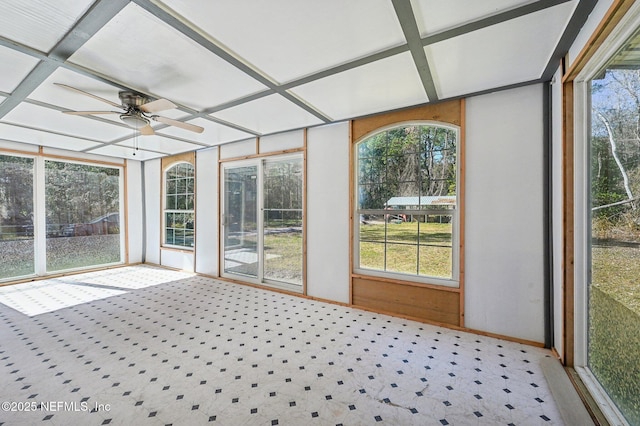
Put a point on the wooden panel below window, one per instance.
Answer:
(408, 300)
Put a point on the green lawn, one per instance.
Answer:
(412, 248)
(614, 324)
(616, 271)
(283, 256)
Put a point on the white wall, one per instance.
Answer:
(134, 210)
(178, 259)
(504, 253)
(328, 212)
(207, 211)
(152, 182)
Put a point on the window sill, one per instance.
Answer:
(178, 248)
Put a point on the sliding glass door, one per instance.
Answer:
(17, 248)
(58, 215)
(282, 220)
(240, 221)
(262, 221)
(614, 291)
(608, 228)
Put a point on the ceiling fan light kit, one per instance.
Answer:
(136, 121)
(135, 108)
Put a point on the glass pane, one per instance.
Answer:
(614, 290)
(400, 229)
(436, 254)
(171, 187)
(283, 201)
(16, 217)
(240, 221)
(373, 197)
(171, 202)
(372, 228)
(82, 205)
(402, 258)
(181, 202)
(181, 186)
(372, 255)
(169, 236)
(283, 246)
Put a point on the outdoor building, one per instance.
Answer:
(331, 212)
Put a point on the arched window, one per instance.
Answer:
(406, 199)
(179, 205)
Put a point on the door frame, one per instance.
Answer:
(259, 161)
(620, 24)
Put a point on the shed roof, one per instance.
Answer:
(425, 200)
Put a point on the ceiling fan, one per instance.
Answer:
(137, 111)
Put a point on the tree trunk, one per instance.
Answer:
(614, 149)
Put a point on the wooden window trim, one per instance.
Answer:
(450, 112)
(611, 19)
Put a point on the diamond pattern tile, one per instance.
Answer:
(172, 348)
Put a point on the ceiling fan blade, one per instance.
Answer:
(89, 94)
(91, 112)
(147, 130)
(157, 105)
(182, 125)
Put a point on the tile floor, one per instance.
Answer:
(147, 346)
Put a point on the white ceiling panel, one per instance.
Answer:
(508, 53)
(49, 93)
(214, 133)
(125, 152)
(159, 143)
(14, 67)
(53, 120)
(378, 86)
(39, 24)
(434, 16)
(37, 137)
(269, 114)
(141, 51)
(287, 39)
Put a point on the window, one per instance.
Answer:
(16, 217)
(406, 189)
(82, 207)
(179, 205)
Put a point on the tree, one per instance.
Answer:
(406, 161)
(615, 143)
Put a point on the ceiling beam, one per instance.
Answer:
(571, 31)
(101, 12)
(407, 19)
